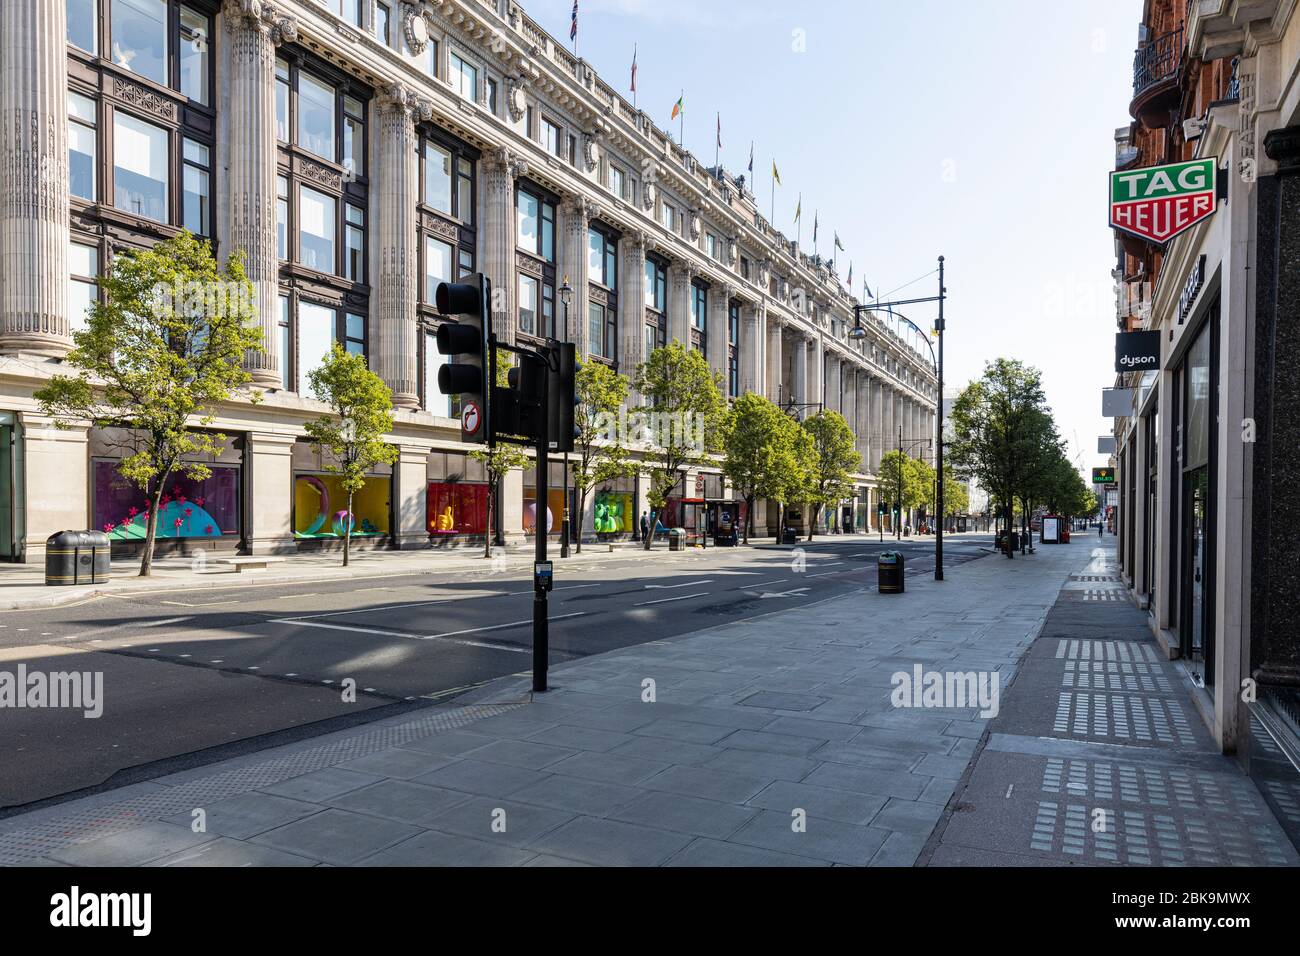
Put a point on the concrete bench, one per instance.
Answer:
(254, 562)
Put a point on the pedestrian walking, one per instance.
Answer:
(645, 523)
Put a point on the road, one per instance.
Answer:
(194, 676)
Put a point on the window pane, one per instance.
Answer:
(282, 101)
(315, 339)
(352, 11)
(282, 217)
(650, 284)
(465, 190)
(82, 20)
(83, 262)
(529, 221)
(316, 231)
(595, 329)
(316, 116)
(437, 266)
(81, 146)
(437, 177)
(466, 263)
(595, 255)
(354, 146)
(196, 201)
(431, 58)
(354, 262)
(548, 232)
(527, 304)
(140, 178)
(140, 37)
(381, 23)
(194, 55)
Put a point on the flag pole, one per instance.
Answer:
(717, 146)
(681, 119)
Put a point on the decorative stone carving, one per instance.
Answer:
(589, 143)
(416, 29)
(696, 223)
(143, 99)
(515, 104)
(263, 15)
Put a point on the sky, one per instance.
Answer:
(981, 131)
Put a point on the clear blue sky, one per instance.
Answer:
(982, 131)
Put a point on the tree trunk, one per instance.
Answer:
(490, 531)
(780, 520)
(347, 532)
(151, 530)
(814, 511)
(1011, 552)
(749, 516)
(650, 529)
(580, 496)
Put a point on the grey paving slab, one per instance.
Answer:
(608, 767)
(666, 750)
(899, 849)
(863, 780)
(228, 852)
(481, 777)
(140, 844)
(715, 853)
(580, 738)
(453, 743)
(822, 839)
(762, 763)
(500, 821)
(683, 814)
(683, 730)
(321, 785)
(520, 753)
(397, 762)
(722, 785)
(783, 700)
(401, 800)
(818, 729)
(336, 836)
(247, 814)
(908, 816)
(577, 795)
(433, 848)
(611, 842)
(788, 744)
(821, 802)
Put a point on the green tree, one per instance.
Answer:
(602, 457)
(354, 434)
(834, 460)
(759, 448)
(899, 471)
(161, 349)
(683, 411)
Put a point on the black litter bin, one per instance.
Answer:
(889, 572)
(676, 538)
(77, 557)
(789, 536)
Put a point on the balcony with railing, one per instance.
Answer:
(1157, 68)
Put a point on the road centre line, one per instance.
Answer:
(682, 597)
(448, 637)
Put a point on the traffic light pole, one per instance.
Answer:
(541, 611)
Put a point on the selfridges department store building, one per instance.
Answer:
(359, 152)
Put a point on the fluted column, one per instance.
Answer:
(716, 329)
(498, 257)
(753, 346)
(34, 178)
(862, 419)
(631, 304)
(254, 30)
(816, 369)
(394, 359)
(774, 357)
(576, 267)
(877, 403)
(679, 302)
(800, 384)
(835, 384)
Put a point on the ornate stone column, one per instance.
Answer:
(577, 212)
(799, 391)
(862, 419)
(631, 305)
(394, 358)
(716, 329)
(774, 358)
(497, 261)
(254, 30)
(816, 391)
(680, 274)
(753, 343)
(34, 178)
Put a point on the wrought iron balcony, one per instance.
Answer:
(1156, 69)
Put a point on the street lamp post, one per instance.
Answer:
(566, 295)
(859, 332)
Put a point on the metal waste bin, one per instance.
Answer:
(889, 572)
(676, 538)
(77, 557)
(789, 536)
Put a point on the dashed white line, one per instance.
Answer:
(680, 597)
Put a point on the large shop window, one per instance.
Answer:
(457, 498)
(320, 503)
(554, 512)
(203, 508)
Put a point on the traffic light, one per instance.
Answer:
(519, 406)
(468, 339)
(563, 396)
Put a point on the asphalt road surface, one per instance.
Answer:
(194, 676)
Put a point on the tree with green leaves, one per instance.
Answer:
(901, 483)
(500, 460)
(834, 460)
(354, 434)
(682, 414)
(602, 456)
(161, 349)
(759, 446)
(998, 430)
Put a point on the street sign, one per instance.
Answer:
(1103, 476)
(469, 418)
(1116, 402)
(1158, 202)
(1137, 351)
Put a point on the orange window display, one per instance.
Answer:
(456, 508)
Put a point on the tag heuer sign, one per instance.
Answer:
(1137, 351)
(1159, 202)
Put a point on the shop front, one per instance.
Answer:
(456, 510)
(194, 512)
(13, 501)
(613, 510)
(321, 517)
(553, 514)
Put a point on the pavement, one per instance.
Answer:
(771, 741)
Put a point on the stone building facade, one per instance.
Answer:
(358, 152)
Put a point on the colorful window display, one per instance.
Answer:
(554, 510)
(457, 508)
(188, 508)
(320, 507)
(612, 512)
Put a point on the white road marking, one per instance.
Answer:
(449, 636)
(793, 592)
(669, 587)
(682, 597)
(763, 584)
(364, 610)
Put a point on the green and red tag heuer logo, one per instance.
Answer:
(1159, 202)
